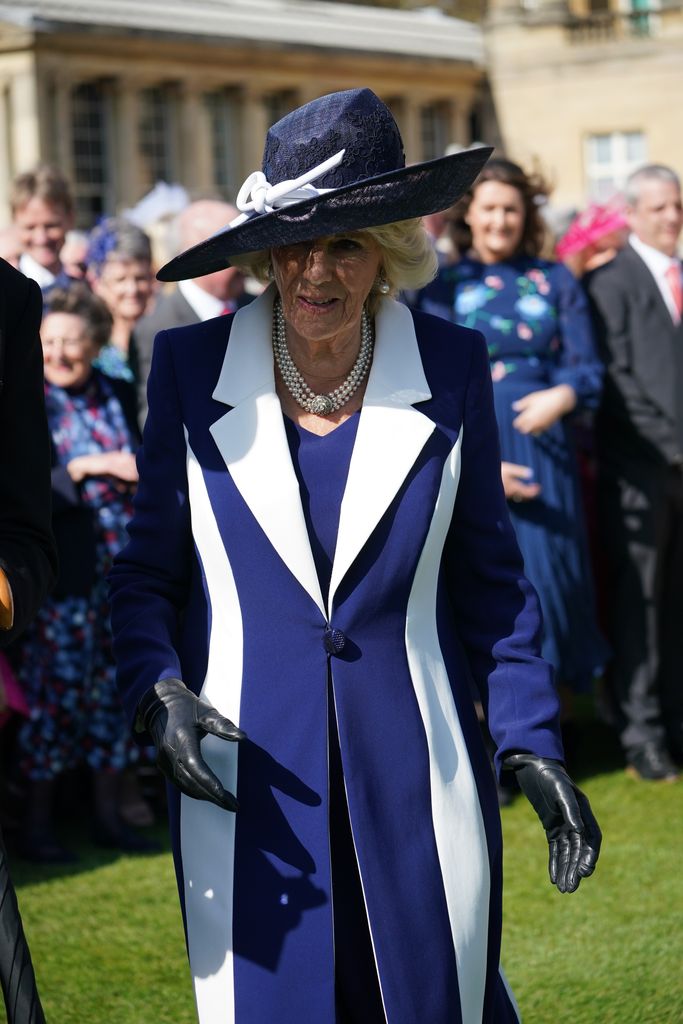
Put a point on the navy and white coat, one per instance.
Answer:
(218, 586)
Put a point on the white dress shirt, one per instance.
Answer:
(36, 271)
(205, 306)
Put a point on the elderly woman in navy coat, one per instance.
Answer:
(321, 554)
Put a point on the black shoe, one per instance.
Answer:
(123, 838)
(652, 763)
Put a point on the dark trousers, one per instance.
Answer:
(641, 515)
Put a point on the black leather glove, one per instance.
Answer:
(574, 836)
(177, 720)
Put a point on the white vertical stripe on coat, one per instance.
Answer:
(207, 833)
(253, 443)
(456, 813)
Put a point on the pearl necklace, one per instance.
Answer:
(321, 405)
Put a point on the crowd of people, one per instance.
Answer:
(585, 347)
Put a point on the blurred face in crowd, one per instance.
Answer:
(657, 215)
(42, 228)
(68, 350)
(496, 219)
(126, 287)
(199, 220)
(226, 285)
(73, 254)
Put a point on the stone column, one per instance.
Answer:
(6, 165)
(253, 128)
(25, 122)
(126, 130)
(459, 131)
(410, 130)
(194, 157)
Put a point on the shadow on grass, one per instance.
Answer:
(90, 856)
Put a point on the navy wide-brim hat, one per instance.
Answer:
(349, 144)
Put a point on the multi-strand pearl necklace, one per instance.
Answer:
(321, 405)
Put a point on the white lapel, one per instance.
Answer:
(252, 441)
(391, 434)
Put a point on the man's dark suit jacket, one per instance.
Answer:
(641, 416)
(27, 547)
(171, 310)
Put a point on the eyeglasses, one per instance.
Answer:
(72, 346)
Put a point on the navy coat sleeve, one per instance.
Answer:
(577, 363)
(497, 615)
(150, 579)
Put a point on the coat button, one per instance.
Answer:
(333, 641)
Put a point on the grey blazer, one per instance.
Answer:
(171, 310)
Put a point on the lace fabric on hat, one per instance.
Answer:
(369, 137)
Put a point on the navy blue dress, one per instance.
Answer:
(534, 316)
(321, 464)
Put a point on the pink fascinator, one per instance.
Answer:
(589, 226)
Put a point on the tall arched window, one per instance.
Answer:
(91, 126)
(222, 107)
(158, 135)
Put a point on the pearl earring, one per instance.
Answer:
(383, 286)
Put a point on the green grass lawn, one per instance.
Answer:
(108, 948)
(611, 953)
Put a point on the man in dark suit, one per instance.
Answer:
(192, 301)
(27, 556)
(638, 302)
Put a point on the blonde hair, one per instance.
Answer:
(408, 258)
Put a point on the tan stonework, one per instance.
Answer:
(559, 76)
(39, 70)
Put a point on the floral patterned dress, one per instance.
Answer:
(66, 664)
(534, 316)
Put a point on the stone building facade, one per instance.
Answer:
(587, 90)
(124, 93)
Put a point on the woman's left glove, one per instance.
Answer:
(574, 836)
(177, 720)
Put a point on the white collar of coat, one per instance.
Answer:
(396, 375)
(252, 440)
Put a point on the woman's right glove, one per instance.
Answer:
(177, 720)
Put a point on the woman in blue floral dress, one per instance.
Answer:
(65, 660)
(534, 316)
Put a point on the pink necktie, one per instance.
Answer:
(673, 277)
